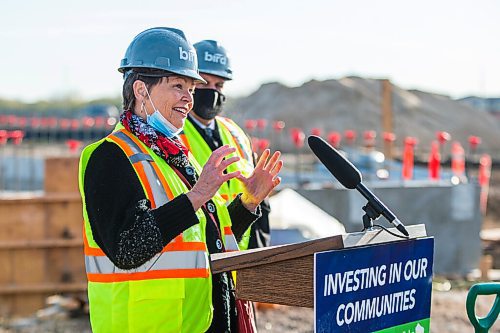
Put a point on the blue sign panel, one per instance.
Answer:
(377, 288)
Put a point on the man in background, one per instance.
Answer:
(205, 130)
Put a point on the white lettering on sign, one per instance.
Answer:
(376, 307)
(354, 280)
(375, 290)
(395, 272)
(415, 269)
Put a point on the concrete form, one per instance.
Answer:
(450, 213)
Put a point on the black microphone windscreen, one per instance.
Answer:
(338, 165)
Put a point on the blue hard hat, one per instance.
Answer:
(164, 49)
(213, 59)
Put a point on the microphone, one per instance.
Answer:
(350, 177)
(338, 165)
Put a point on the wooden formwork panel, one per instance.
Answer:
(21, 220)
(64, 220)
(61, 174)
(41, 251)
(67, 265)
(51, 216)
(7, 271)
(29, 266)
(15, 305)
(7, 304)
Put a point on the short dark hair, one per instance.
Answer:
(151, 77)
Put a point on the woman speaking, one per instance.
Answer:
(151, 215)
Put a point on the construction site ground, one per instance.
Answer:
(448, 312)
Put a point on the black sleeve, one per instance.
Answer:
(241, 218)
(122, 221)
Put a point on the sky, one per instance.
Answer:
(53, 49)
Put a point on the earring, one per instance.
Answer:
(142, 107)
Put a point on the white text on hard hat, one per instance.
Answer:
(215, 57)
(186, 55)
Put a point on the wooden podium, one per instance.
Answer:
(284, 274)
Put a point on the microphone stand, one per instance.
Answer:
(374, 208)
(370, 215)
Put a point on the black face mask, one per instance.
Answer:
(208, 103)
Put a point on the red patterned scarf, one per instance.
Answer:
(170, 149)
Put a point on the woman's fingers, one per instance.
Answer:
(272, 161)
(219, 154)
(263, 159)
(276, 181)
(276, 168)
(227, 162)
(214, 173)
(258, 184)
(242, 178)
(231, 175)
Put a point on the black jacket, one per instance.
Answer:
(130, 232)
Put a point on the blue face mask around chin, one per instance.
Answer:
(160, 123)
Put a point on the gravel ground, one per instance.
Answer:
(447, 316)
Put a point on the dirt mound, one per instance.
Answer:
(354, 103)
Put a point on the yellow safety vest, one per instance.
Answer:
(231, 134)
(172, 292)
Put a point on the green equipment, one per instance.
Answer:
(482, 325)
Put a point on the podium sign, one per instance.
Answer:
(377, 288)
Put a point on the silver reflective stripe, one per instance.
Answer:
(159, 194)
(139, 157)
(162, 261)
(231, 244)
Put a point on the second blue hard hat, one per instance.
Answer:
(213, 59)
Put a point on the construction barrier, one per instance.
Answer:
(41, 249)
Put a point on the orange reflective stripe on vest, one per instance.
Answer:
(150, 275)
(169, 264)
(178, 259)
(230, 240)
(185, 141)
(156, 187)
(226, 196)
(168, 260)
